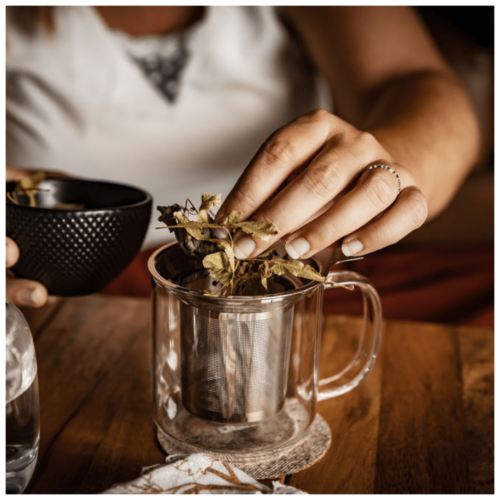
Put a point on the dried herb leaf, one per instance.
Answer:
(265, 273)
(295, 267)
(208, 201)
(190, 246)
(28, 186)
(232, 218)
(219, 266)
(262, 230)
(228, 247)
(203, 217)
(195, 224)
(191, 227)
(229, 251)
(263, 280)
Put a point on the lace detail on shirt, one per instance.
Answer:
(162, 60)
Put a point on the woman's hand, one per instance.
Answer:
(386, 77)
(20, 291)
(310, 180)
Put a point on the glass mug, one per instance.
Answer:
(239, 376)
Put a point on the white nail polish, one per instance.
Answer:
(220, 233)
(243, 247)
(298, 247)
(38, 296)
(27, 296)
(32, 296)
(352, 247)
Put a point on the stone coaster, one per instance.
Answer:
(306, 451)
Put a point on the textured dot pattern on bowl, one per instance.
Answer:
(78, 252)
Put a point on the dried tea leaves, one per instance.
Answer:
(26, 186)
(191, 245)
(199, 235)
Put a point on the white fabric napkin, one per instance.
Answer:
(198, 473)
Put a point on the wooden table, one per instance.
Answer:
(422, 421)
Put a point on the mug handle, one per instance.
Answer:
(352, 375)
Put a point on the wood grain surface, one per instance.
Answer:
(94, 380)
(421, 422)
(353, 420)
(476, 348)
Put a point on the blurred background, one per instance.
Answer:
(465, 36)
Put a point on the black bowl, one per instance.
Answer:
(78, 251)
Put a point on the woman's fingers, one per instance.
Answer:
(11, 252)
(375, 192)
(331, 171)
(26, 293)
(285, 151)
(20, 291)
(301, 181)
(408, 213)
(366, 231)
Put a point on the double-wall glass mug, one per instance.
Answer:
(239, 376)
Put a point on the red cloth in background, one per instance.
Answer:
(442, 285)
(135, 281)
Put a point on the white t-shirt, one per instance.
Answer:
(77, 102)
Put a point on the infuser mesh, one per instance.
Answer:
(234, 364)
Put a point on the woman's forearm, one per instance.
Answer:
(427, 123)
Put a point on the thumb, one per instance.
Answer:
(26, 292)
(11, 252)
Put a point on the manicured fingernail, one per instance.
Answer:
(352, 247)
(298, 247)
(31, 297)
(244, 247)
(220, 233)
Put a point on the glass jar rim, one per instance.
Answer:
(181, 290)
